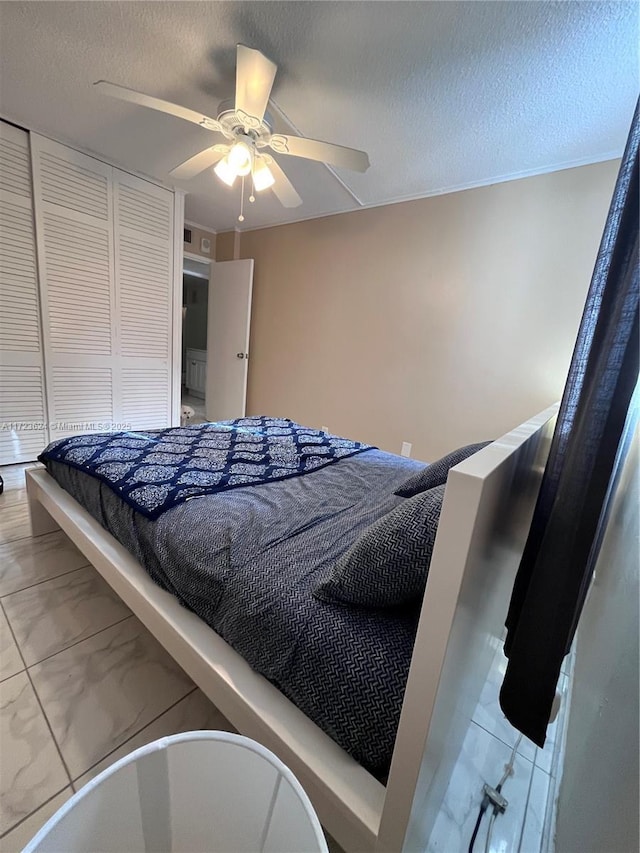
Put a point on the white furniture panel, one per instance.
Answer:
(79, 290)
(19, 309)
(74, 226)
(23, 431)
(486, 514)
(143, 227)
(144, 274)
(143, 207)
(144, 397)
(82, 398)
(22, 413)
(106, 250)
(74, 182)
(15, 163)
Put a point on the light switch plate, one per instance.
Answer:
(324, 428)
(406, 448)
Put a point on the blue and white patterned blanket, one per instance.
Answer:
(156, 470)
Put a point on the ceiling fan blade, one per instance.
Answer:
(199, 162)
(324, 152)
(124, 94)
(254, 79)
(283, 188)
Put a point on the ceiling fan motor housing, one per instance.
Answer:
(237, 123)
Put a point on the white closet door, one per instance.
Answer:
(23, 432)
(144, 283)
(74, 223)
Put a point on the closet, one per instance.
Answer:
(105, 244)
(23, 431)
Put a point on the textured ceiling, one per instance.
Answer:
(442, 95)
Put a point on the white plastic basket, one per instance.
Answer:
(204, 792)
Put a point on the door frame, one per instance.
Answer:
(176, 320)
(179, 257)
(191, 256)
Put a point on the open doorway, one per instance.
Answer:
(195, 299)
(216, 313)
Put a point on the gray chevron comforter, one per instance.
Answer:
(245, 561)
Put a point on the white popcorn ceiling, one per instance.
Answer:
(442, 95)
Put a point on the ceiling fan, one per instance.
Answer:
(247, 129)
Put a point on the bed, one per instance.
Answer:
(375, 778)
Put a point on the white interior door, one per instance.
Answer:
(229, 316)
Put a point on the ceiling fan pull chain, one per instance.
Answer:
(241, 217)
(252, 197)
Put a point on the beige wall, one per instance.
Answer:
(193, 248)
(599, 792)
(439, 322)
(228, 246)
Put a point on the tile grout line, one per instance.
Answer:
(77, 642)
(509, 745)
(15, 642)
(530, 763)
(45, 580)
(21, 538)
(5, 501)
(46, 720)
(11, 506)
(526, 810)
(35, 692)
(26, 670)
(135, 734)
(18, 539)
(69, 775)
(31, 814)
(557, 766)
(57, 745)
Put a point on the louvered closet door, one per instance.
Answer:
(23, 432)
(74, 222)
(144, 283)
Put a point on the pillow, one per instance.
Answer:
(388, 565)
(436, 474)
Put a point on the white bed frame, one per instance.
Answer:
(487, 509)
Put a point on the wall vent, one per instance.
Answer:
(187, 235)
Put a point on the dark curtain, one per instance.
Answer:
(559, 556)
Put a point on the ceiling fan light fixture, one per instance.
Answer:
(225, 171)
(247, 129)
(262, 176)
(240, 158)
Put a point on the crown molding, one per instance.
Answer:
(199, 226)
(455, 188)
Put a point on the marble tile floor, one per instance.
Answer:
(486, 752)
(82, 683)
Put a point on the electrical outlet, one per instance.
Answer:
(406, 448)
(324, 428)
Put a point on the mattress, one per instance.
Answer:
(246, 560)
